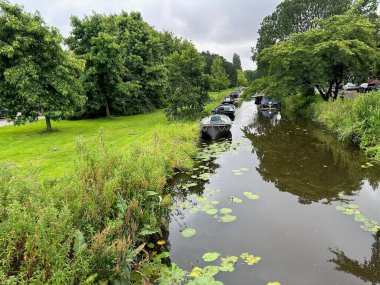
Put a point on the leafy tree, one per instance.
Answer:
(125, 72)
(250, 75)
(321, 58)
(187, 83)
(219, 76)
(37, 77)
(236, 61)
(228, 67)
(242, 81)
(296, 16)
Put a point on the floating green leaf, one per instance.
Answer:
(236, 199)
(214, 202)
(228, 263)
(274, 283)
(212, 211)
(210, 271)
(340, 208)
(228, 218)
(352, 206)
(189, 232)
(251, 196)
(225, 211)
(249, 258)
(360, 218)
(210, 256)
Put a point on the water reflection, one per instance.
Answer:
(302, 159)
(368, 270)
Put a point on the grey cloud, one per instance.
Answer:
(220, 26)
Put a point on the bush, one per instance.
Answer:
(356, 120)
(86, 227)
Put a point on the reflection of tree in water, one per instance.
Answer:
(368, 270)
(299, 159)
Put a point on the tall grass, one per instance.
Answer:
(86, 227)
(356, 120)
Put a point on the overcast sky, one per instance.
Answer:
(220, 26)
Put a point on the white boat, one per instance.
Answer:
(216, 126)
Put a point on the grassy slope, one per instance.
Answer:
(29, 144)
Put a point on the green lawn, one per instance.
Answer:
(30, 145)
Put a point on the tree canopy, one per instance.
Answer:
(187, 83)
(219, 76)
(37, 77)
(322, 58)
(236, 61)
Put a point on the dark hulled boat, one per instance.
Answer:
(227, 109)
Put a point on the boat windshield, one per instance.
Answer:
(216, 118)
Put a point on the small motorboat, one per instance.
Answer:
(228, 100)
(269, 104)
(216, 126)
(258, 98)
(228, 110)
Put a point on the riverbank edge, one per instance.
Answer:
(105, 220)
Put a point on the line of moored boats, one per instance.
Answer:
(220, 123)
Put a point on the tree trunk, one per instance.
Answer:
(324, 95)
(336, 90)
(49, 129)
(108, 113)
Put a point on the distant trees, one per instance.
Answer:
(242, 81)
(187, 83)
(236, 61)
(250, 75)
(227, 66)
(37, 77)
(219, 78)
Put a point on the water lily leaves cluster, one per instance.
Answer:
(240, 171)
(250, 259)
(367, 165)
(369, 225)
(251, 196)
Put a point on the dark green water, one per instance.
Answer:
(301, 174)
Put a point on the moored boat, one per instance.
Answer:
(227, 109)
(216, 126)
(269, 104)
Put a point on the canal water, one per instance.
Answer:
(285, 192)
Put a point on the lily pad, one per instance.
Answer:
(196, 272)
(340, 208)
(360, 218)
(210, 256)
(189, 232)
(274, 283)
(251, 196)
(210, 271)
(214, 202)
(228, 263)
(236, 200)
(228, 218)
(212, 211)
(225, 211)
(250, 259)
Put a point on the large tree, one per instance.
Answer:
(219, 76)
(187, 83)
(242, 81)
(125, 72)
(296, 16)
(322, 58)
(236, 61)
(37, 77)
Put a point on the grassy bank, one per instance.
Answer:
(354, 120)
(93, 222)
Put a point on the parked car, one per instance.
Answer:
(367, 87)
(350, 86)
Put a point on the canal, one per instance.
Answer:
(280, 200)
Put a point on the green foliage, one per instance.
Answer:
(219, 76)
(37, 77)
(227, 66)
(187, 92)
(321, 58)
(125, 71)
(356, 120)
(90, 224)
(250, 75)
(236, 61)
(242, 81)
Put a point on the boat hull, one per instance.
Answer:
(215, 132)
